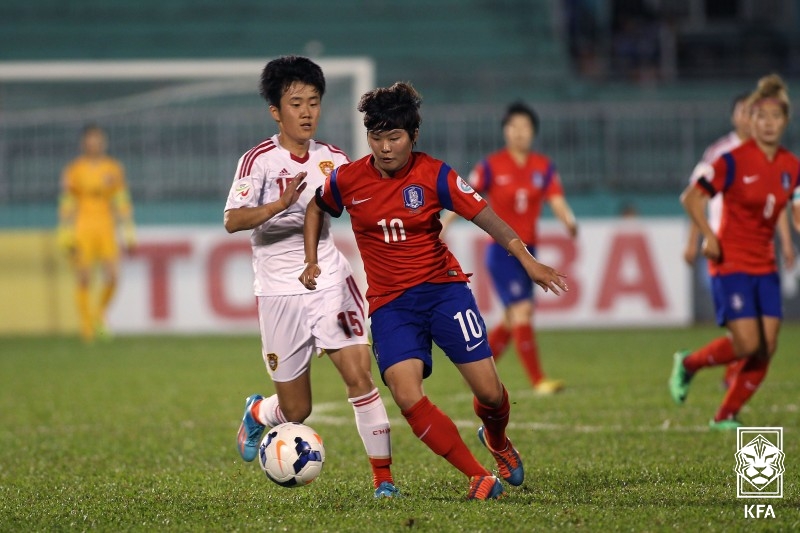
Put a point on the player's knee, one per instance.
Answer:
(490, 397)
(770, 347)
(749, 348)
(405, 399)
(359, 385)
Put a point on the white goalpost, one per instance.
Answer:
(194, 79)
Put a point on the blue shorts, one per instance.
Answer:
(746, 296)
(444, 313)
(510, 280)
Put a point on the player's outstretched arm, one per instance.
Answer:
(563, 212)
(244, 218)
(67, 207)
(796, 214)
(545, 276)
(312, 229)
(785, 238)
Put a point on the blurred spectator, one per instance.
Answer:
(635, 42)
(584, 36)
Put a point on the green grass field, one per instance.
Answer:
(139, 434)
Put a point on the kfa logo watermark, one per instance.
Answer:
(759, 468)
(759, 462)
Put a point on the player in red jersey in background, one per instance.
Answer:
(417, 291)
(517, 181)
(740, 119)
(758, 180)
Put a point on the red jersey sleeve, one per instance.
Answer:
(724, 169)
(328, 196)
(553, 185)
(457, 195)
(480, 176)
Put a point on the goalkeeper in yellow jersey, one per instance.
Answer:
(94, 203)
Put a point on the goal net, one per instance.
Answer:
(179, 126)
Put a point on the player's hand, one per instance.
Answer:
(690, 255)
(548, 278)
(65, 239)
(711, 249)
(789, 257)
(309, 276)
(294, 188)
(573, 229)
(129, 238)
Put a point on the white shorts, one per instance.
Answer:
(294, 327)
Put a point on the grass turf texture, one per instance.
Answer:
(139, 434)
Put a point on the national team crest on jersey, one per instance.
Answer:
(537, 179)
(786, 181)
(463, 186)
(272, 361)
(412, 197)
(326, 167)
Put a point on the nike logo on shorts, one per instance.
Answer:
(470, 348)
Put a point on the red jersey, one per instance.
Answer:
(755, 191)
(396, 221)
(517, 192)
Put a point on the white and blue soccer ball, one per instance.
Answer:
(291, 454)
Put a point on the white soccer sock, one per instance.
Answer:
(373, 424)
(269, 412)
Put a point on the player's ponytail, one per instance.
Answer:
(771, 87)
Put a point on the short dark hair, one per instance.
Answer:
(739, 99)
(90, 128)
(390, 108)
(519, 108)
(280, 73)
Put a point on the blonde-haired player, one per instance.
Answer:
(759, 180)
(94, 202)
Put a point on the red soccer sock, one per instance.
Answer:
(744, 385)
(440, 434)
(381, 471)
(495, 420)
(525, 339)
(732, 370)
(717, 352)
(498, 340)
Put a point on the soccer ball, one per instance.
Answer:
(291, 454)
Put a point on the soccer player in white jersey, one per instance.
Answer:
(269, 195)
(740, 119)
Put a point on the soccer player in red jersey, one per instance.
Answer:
(417, 291)
(759, 179)
(517, 182)
(740, 119)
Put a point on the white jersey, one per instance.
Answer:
(278, 255)
(723, 145)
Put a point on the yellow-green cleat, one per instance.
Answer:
(679, 379)
(728, 424)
